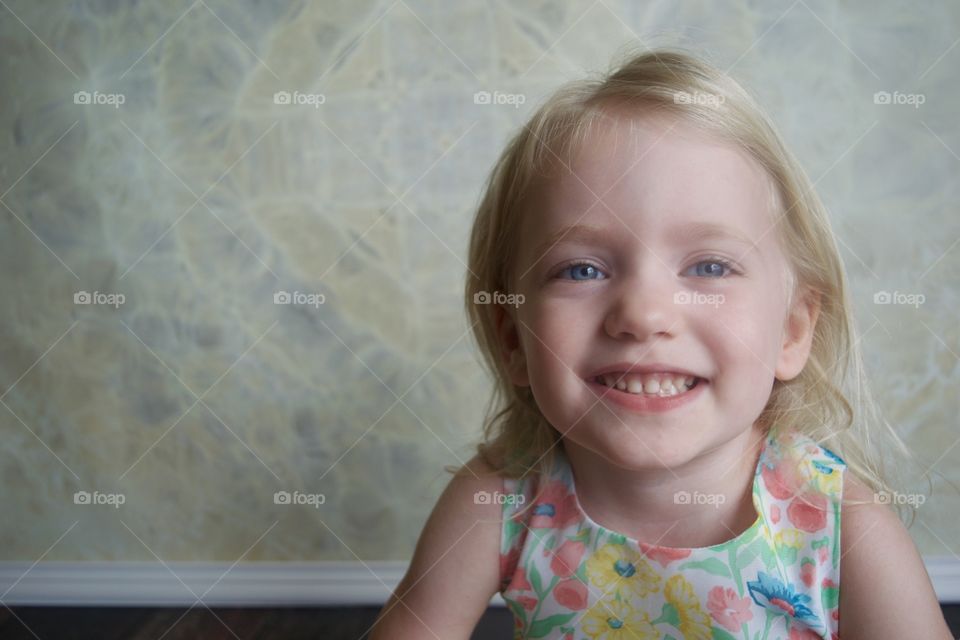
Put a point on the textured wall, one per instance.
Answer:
(180, 182)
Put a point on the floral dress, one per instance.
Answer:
(566, 577)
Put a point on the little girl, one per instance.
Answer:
(672, 359)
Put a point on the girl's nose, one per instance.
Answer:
(644, 305)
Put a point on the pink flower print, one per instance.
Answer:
(663, 555)
(803, 633)
(782, 479)
(571, 593)
(728, 609)
(808, 573)
(775, 514)
(527, 602)
(520, 582)
(566, 558)
(508, 564)
(822, 554)
(555, 508)
(808, 512)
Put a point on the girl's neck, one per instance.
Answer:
(642, 506)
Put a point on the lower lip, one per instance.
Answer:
(646, 403)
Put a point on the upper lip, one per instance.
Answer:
(650, 367)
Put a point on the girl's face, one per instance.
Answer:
(674, 266)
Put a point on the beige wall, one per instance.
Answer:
(199, 197)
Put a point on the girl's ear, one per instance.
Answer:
(510, 348)
(798, 334)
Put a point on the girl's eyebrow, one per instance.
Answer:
(692, 231)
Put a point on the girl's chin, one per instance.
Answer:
(634, 451)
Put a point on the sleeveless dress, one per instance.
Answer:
(564, 576)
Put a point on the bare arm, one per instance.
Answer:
(885, 591)
(455, 568)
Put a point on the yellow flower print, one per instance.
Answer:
(610, 619)
(615, 567)
(789, 538)
(825, 478)
(766, 533)
(694, 623)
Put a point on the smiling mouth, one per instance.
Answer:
(661, 385)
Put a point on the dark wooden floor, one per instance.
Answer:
(86, 623)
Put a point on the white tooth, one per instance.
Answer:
(670, 391)
(678, 383)
(688, 380)
(667, 386)
(635, 385)
(622, 385)
(652, 385)
(608, 380)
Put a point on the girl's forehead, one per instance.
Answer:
(652, 171)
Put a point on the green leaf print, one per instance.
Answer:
(541, 628)
(535, 580)
(710, 565)
(513, 529)
(668, 615)
(769, 557)
(830, 596)
(747, 554)
(720, 634)
(788, 554)
(519, 612)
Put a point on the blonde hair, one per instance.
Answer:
(828, 401)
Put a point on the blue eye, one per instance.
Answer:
(708, 268)
(714, 268)
(580, 269)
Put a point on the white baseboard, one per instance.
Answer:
(252, 584)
